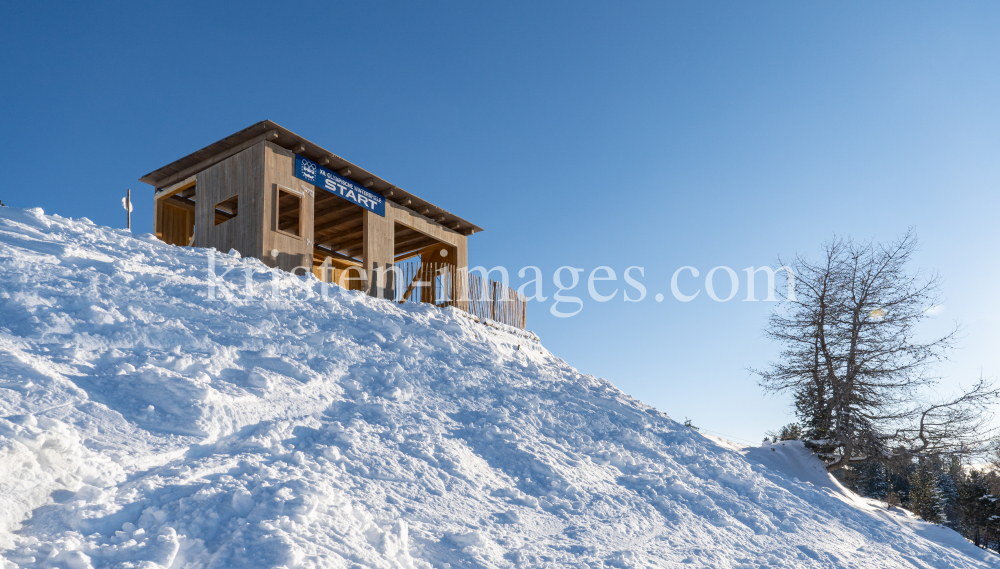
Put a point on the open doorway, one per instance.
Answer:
(425, 267)
(338, 240)
(175, 215)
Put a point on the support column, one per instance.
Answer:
(377, 253)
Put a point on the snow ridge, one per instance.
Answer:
(144, 425)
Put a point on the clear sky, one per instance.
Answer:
(659, 134)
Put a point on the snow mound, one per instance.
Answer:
(144, 424)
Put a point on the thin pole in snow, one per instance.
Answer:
(127, 204)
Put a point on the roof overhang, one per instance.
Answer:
(266, 130)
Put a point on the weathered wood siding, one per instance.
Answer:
(240, 175)
(377, 250)
(176, 223)
(293, 251)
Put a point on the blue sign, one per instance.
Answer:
(317, 175)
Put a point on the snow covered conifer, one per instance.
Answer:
(948, 483)
(871, 479)
(974, 507)
(926, 499)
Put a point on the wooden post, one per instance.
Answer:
(524, 314)
(127, 204)
(493, 301)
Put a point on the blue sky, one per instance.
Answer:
(661, 135)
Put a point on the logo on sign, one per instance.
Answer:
(309, 170)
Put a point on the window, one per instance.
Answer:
(226, 210)
(289, 211)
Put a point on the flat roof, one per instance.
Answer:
(266, 130)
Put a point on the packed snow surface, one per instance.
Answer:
(150, 420)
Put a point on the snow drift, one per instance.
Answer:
(143, 424)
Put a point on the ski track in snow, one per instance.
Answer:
(144, 425)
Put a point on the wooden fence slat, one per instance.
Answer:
(436, 283)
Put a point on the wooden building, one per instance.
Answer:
(271, 194)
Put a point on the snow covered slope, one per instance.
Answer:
(144, 425)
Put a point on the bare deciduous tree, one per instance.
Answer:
(853, 361)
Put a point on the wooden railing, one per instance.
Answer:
(442, 284)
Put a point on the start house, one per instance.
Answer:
(271, 194)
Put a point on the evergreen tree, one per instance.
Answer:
(790, 432)
(925, 493)
(812, 407)
(879, 485)
(973, 507)
(990, 507)
(948, 484)
(900, 468)
(871, 479)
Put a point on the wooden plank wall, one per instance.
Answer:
(240, 175)
(293, 251)
(170, 225)
(176, 223)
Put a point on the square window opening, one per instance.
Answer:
(289, 212)
(226, 210)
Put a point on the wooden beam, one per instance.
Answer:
(368, 182)
(400, 257)
(323, 198)
(400, 235)
(349, 232)
(298, 148)
(353, 250)
(344, 171)
(323, 161)
(404, 252)
(415, 243)
(327, 253)
(412, 238)
(413, 284)
(208, 162)
(322, 215)
(184, 204)
(341, 236)
(341, 241)
(340, 233)
(177, 200)
(346, 221)
(169, 191)
(419, 250)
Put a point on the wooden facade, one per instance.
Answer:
(242, 193)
